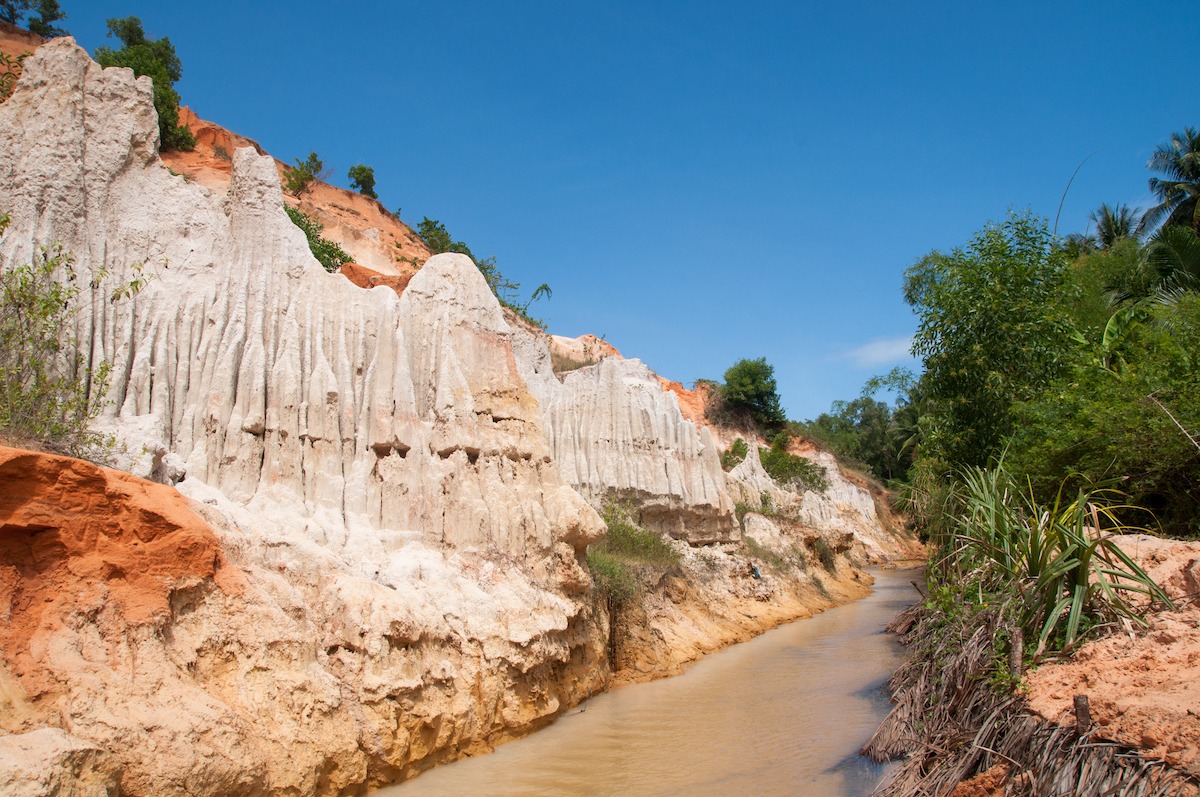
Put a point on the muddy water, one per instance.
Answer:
(783, 714)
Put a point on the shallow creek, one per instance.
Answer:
(782, 714)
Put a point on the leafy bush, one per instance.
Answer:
(790, 471)
(733, 457)
(157, 59)
(10, 73)
(328, 254)
(296, 181)
(629, 541)
(362, 180)
(45, 380)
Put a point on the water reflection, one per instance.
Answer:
(783, 714)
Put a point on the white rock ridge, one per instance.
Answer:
(374, 465)
(618, 436)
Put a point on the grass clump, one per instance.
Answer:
(619, 562)
(756, 550)
(825, 554)
(1061, 562)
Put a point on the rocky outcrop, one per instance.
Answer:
(618, 436)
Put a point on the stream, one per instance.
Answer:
(782, 714)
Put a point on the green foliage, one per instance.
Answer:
(362, 180)
(1128, 410)
(994, 328)
(157, 59)
(10, 73)
(1178, 190)
(750, 392)
(296, 181)
(328, 254)
(42, 14)
(613, 577)
(765, 555)
(790, 471)
(45, 381)
(1060, 562)
(733, 457)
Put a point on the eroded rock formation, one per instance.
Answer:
(373, 561)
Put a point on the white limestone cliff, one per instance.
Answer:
(618, 436)
(374, 466)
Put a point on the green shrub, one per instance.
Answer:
(328, 254)
(1060, 562)
(629, 541)
(790, 471)
(733, 457)
(45, 381)
(614, 578)
(156, 58)
(750, 393)
(10, 73)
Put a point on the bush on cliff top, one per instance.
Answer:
(156, 58)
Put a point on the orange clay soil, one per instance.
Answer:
(75, 538)
(362, 226)
(1144, 689)
(16, 41)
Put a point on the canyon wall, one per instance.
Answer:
(373, 556)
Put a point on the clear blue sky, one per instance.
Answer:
(697, 181)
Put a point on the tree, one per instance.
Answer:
(750, 389)
(362, 180)
(1178, 191)
(47, 13)
(1114, 223)
(994, 327)
(157, 59)
(297, 180)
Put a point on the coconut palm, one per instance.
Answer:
(1114, 223)
(1178, 191)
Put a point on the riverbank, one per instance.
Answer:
(964, 730)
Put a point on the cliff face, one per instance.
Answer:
(373, 561)
(374, 466)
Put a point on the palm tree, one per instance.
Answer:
(1179, 192)
(1114, 223)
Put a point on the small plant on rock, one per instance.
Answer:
(328, 254)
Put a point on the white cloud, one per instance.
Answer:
(883, 351)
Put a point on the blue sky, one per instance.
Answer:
(700, 182)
